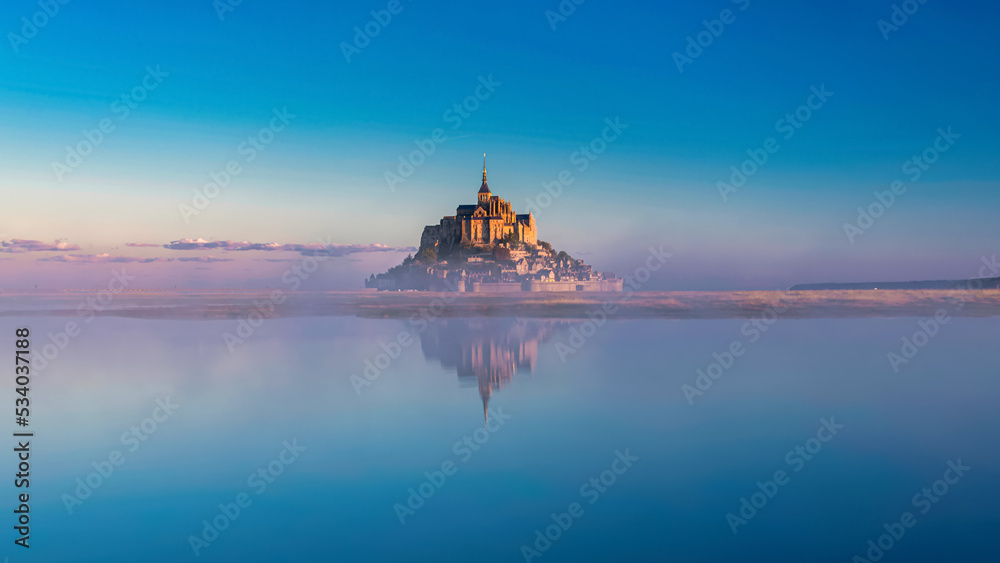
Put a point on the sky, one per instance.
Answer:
(201, 144)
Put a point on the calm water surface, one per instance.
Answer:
(330, 467)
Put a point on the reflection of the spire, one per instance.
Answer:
(490, 350)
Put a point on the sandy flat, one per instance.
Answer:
(667, 305)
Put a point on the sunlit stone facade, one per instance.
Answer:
(488, 222)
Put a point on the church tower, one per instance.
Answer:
(484, 190)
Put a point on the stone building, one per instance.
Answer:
(489, 221)
(473, 252)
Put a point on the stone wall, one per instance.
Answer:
(603, 285)
(495, 287)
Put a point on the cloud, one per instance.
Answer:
(202, 244)
(98, 258)
(19, 245)
(309, 249)
(105, 258)
(206, 259)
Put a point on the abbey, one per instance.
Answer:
(490, 221)
(488, 248)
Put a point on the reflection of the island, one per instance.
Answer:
(486, 351)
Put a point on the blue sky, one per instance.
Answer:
(323, 176)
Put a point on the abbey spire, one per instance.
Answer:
(484, 190)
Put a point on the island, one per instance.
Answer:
(488, 248)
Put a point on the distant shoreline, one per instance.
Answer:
(975, 284)
(228, 304)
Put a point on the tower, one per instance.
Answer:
(484, 190)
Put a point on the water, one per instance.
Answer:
(563, 408)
